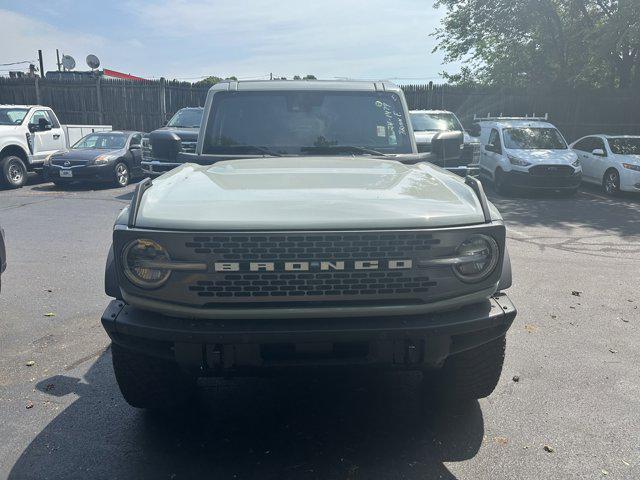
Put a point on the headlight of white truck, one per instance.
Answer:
(144, 263)
(477, 258)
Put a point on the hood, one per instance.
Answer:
(545, 157)
(189, 134)
(427, 136)
(87, 154)
(306, 193)
(633, 159)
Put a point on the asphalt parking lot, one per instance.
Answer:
(573, 346)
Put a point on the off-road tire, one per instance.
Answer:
(471, 374)
(149, 382)
(13, 172)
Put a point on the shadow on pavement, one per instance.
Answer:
(356, 427)
(588, 209)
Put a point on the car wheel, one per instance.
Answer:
(122, 175)
(150, 382)
(611, 182)
(14, 172)
(471, 374)
(499, 182)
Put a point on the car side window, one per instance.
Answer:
(494, 144)
(599, 143)
(584, 145)
(37, 115)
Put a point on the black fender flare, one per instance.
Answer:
(505, 276)
(111, 287)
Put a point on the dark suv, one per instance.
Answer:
(184, 126)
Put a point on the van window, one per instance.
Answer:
(625, 146)
(494, 139)
(531, 138)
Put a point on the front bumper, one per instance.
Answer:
(629, 180)
(527, 180)
(208, 346)
(82, 172)
(154, 168)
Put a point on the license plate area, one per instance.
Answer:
(66, 173)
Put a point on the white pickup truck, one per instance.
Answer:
(28, 135)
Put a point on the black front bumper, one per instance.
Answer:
(526, 180)
(212, 347)
(103, 172)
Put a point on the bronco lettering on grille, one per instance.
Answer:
(285, 266)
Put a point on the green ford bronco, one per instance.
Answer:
(306, 232)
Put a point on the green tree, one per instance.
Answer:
(542, 42)
(212, 80)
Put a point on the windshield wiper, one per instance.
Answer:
(342, 148)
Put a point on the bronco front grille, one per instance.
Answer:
(343, 246)
(313, 284)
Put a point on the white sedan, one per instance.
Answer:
(610, 161)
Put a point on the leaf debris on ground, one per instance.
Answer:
(30, 363)
(548, 448)
(49, 314)
(576, 293)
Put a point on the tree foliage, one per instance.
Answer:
(212, 80)
(543, 42)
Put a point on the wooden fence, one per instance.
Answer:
(147, 105)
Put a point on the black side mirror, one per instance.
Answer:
(474, 131)
(447, 145)
(43, 124)
(33, 127)
(165, 144)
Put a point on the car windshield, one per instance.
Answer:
(102, 141)
(625, 146)
(12, 116)
(434, 122)
(533, 139)
(307, 123)
(186, 118)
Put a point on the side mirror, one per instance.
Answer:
(43, 124)
(599, 152)
(165, 144)
(474, 131)
(33, 127)
(447, 145)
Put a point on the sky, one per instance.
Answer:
(189, 40)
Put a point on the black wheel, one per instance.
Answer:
(14, 172)
(611, 182)
(149, 382)
(499, 182)
(471, 374)
(121, 173)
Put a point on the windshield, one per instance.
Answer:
(533, 139)
(625, 146)
(186, 118)
(307, 122)
(12, 116)
(102, 141)
(439, 122)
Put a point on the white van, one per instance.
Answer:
(526, 153)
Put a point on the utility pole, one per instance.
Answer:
(271, 76)
(41, 64)
(58, 59)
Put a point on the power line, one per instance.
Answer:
(16, 63)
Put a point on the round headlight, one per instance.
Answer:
(142, 260)
(478, 257)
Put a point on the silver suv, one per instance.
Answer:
(306, 231)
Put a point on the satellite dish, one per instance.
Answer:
(93, 61)
(68, 62)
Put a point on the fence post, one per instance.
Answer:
(99, 98)
(37, 85)
(163, 102)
